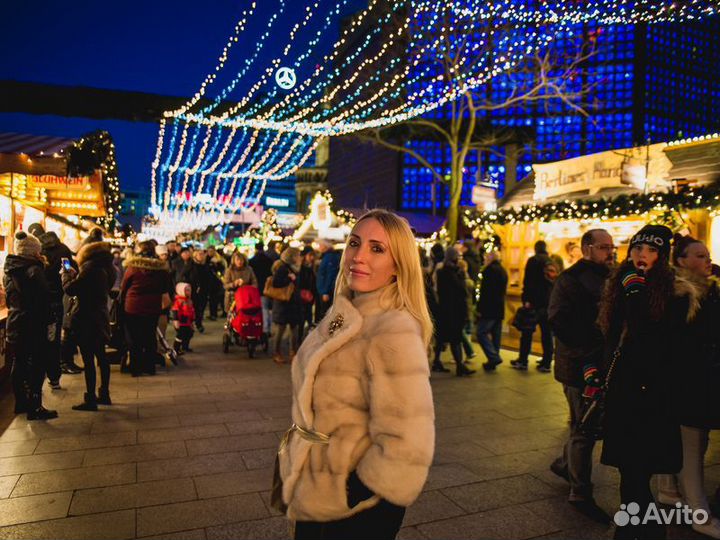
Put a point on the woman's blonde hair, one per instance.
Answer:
(408, 290)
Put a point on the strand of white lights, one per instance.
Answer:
(210, 78)
(156, 162)
(211, 170)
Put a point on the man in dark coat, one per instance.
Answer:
(472, 258)
(27, 324)
(179, 266)
(54, 251)
(261, 264)
(326, 275)
(491, 309)
(536, 296)
(573, 312)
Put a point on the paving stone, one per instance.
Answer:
(107, 499)
(7, 483)
(177, 410)
(260, 459)
(180, 434)
(18, 448)
(491, 494)
(205, 513)
(520, 443)
(442, 476)
(221, 485)
(431, 506)
(228, 444)
(34, 508)
(510, 464)
(410, 533)
(503, 523)
(47, 430)
(219, 418)
(135, 424)
(44, 462)
(92, 527)
(190, 466)
(135, 453)
(86, 477)
(195, 534)
(106, 440)
(275, 528)
(257, 426)
(459, 453)
(277, 412)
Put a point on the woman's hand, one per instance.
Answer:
(633, 281)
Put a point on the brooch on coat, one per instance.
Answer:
(336, 324)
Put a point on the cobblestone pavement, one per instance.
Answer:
(188, 454)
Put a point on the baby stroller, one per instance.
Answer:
(244, 325)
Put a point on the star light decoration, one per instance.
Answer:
(216, 154)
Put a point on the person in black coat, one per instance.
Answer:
(199, 275)
(644, 315)
(453, 313)
(491, 309)
(179, 265)
(262, 266)
(536, 296)
(573, 312)
(90, 317)
(698, 399)
(290, 313)
(54, 251)
(28, 302)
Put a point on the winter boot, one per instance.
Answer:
(463, 371)
(36, 411)
(89, 403)
(104, 396)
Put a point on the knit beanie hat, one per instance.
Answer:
(26, 245)
(160, 250)
(657, 236)
(451, 256)
(36, 230)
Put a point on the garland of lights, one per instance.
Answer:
(622, 206)
(337, 99)
(97, 151)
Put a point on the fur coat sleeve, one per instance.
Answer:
(402, 432)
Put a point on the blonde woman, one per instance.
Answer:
(239, 273)
(363, 435)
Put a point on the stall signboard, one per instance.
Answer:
(641, 168)
(49, 181)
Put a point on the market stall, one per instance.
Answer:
(55, 182)
(677, 184)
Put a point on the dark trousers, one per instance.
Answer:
(546, 336)
(381, 522)
(215, 300)
(635, 488)
(200, 302)
(184, 334)
(28, 374)
(307, 321)
(321, 308)
(52, 358)
(489, 334)
(68, 347)
(576, 458)
(92, 348)
(142, 342)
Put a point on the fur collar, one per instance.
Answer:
(146, 263)
(692, 286)
(89, 251)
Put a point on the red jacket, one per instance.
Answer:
(183, 311)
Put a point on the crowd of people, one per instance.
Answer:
(638, 337)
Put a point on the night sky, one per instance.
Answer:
(158, 46)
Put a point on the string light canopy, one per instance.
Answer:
(241, 129)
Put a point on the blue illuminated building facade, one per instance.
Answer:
(652, 83)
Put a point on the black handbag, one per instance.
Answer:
(592, 423)
(525, 319)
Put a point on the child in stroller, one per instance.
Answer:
(182, 314)
(244, 324)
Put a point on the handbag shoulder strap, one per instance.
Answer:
(616, 355)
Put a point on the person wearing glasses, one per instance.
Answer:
(573, 310)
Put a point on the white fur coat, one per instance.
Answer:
(366, 386)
